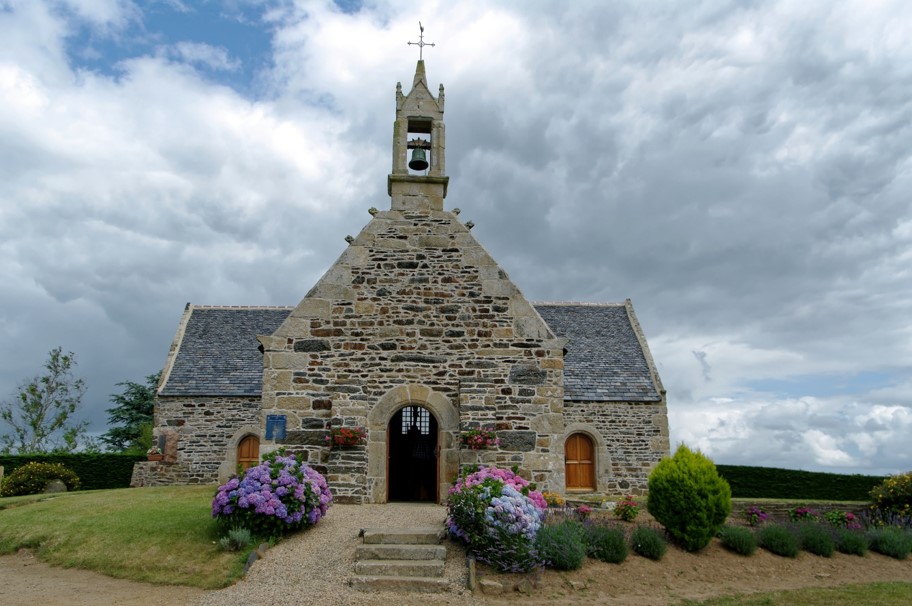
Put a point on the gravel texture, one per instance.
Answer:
(314, 566)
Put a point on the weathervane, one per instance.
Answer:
(421, 43)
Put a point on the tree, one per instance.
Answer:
(131, 419)
(41, 413)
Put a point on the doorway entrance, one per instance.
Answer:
(412, 451)
(248, 453)
(579, 470)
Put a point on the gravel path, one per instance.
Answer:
(314, 566)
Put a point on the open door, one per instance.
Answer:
(411, 470)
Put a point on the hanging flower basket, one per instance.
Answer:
(479, 438)
(346, 437)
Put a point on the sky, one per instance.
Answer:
(740, 170)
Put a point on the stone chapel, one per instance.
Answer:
(415, 335)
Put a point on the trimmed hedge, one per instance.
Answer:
(95, 470)
(772, 483)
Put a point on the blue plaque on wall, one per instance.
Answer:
(275, 427)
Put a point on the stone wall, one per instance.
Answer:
(631, 438)
(415, 300)
(200, 436)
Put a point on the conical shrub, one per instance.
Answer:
(689, 498)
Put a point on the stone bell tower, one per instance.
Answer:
(418, 180)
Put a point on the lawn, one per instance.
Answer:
(159, 535)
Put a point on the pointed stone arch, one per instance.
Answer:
(378, 419)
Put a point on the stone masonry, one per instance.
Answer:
(414, 312)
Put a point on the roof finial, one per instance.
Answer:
(421, 43)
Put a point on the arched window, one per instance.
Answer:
(579, 462)
(248, 453)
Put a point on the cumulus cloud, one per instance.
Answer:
(739, 171)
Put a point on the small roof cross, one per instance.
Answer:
(421, 43)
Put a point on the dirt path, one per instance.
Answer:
(26, 581)
(637, 581)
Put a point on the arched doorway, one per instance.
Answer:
(412, 455)
(579, 462)
(248, 453)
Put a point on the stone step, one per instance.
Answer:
(400, 568)
(403, 584)
(389, 551)
(403, 536)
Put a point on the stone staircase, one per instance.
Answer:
(400, 559)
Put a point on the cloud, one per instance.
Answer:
(739, 171)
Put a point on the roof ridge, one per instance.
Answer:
(578, 303)
(276, 307)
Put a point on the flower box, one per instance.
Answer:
(479, 438)
(346, 437)
(155, 457)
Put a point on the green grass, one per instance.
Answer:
(159, 535)
(882, 594)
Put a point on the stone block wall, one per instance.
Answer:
(632, 439)
(200, 434)
(415, 300)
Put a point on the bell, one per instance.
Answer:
(419, 160)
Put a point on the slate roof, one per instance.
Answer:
(218, 354)
(604, 360)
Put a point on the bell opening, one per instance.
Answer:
(419, 143)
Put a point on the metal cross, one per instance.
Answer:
(421, 43)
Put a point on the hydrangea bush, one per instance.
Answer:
(277, 496)
(498, 514)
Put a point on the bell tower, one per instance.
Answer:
(418, 181)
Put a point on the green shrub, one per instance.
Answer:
(96, 470)
(33, 478)
(562, 546)
(689, 498)
(816, 538)
(777, 539)
(773, 483)
(237, 539)
(738, 539)
(648, 543)
(892, 542)
(606, 544)
(894, 494)
(851, 542)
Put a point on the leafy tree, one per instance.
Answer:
(131, 419)
(41, 413)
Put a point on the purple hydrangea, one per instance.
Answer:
(278, 495)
